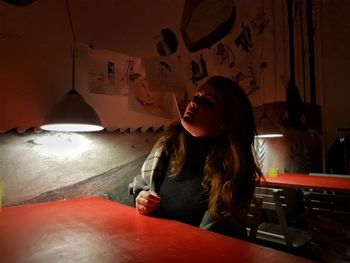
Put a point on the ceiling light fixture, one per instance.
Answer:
(266, 127)
(72, 113)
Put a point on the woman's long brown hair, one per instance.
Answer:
(230, 170)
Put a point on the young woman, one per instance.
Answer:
(203, 171)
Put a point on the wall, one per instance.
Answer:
(52, 166)
(334, 61)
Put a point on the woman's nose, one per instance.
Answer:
(194, 103)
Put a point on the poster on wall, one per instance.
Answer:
(258, 22)
(165, 74)
(246, 75)
(224, 53)
(199, 66)
(236, 63)
(144, 100)
(243, 40)
(110, 73)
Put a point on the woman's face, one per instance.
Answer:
(203, 116)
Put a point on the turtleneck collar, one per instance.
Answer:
(198, 148)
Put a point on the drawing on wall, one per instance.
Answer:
(225, 56)
(259, 21)
(198, 69)
(109, 72)
(168, 43)
(128, 73)
(199, 66)
(246, 79)
(244, 39)
(165, 74)
(143, 99)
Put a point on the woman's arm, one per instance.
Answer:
(143, 186)
(233, 227)
(152, 169)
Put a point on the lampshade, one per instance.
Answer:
(267, 128)
(73, 114)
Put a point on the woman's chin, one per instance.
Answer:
(190, 127)
(197, 130)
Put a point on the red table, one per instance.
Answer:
(98, 230)
(333, 183)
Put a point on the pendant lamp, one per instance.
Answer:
(72, 113)
(267, 128)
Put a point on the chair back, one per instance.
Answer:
(329, 205)
(280, 232)
(329, 216)
(253, 218)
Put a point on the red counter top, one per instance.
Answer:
(323, 182)
(98, 231)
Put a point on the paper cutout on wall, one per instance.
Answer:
(205, 22)
(235, 54)
(168, 43)
(224, 52)
(110, 73)
(144, 100)
(259, 21)
(244, 39)
(199, 66)
(246, 78)
(165, 74)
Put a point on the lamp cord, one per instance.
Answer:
(74, 43)
(261, 75)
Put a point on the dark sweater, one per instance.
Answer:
(183, 198)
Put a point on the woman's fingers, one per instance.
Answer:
(141, 209)
(147, 202)
(145, 210)
(148, 198)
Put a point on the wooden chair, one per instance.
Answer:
(253, 218)
(329, 205)
(329, 216)
(279, 232)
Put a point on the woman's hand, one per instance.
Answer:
(147, 202)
